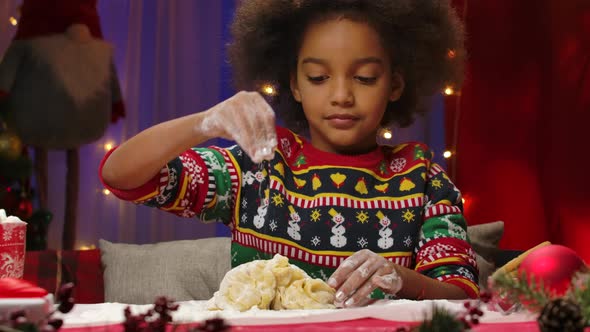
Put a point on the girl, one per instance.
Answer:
(369, 219)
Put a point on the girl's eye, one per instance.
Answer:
(317, 79)
(366, 80)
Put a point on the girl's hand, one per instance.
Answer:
(247, 119)
(360, 274)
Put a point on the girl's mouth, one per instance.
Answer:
(342, 121)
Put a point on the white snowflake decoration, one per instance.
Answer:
(408, 241)
(244, 204)
(316, 241)
(466, 273)
(244, 218)
(7, 236)
(286, 147)
(397, 165)
(273, 225)
(362, 242)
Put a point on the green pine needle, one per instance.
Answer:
(532, 294)
(441, 321)
(580, 293)
(25, 327)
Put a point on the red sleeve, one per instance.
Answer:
(179, 188)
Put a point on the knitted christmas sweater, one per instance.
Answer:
(318, 208)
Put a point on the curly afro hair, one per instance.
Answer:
(424, 38)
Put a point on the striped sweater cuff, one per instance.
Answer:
(149, 189)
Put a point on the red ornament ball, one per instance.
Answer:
(554, 265)
(25, 208)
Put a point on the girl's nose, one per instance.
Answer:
(342, 93)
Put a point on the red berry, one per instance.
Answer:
(485, 297)
(56, 323)
(66, 306)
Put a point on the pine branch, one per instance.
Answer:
(580, 293)
(441, 321)
(531, 293)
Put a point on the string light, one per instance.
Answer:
(13, 21)
(387, 134)
(451, 54)
(447, 154)
(269, 90)
(107, 147)
(449, 90)
(85, 247)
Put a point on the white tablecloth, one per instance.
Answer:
(195, 311)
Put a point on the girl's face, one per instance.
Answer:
(344, 82)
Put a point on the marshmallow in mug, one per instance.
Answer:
(9, 219)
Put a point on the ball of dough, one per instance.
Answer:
(244, 287)
(305, 294)
(272, 283)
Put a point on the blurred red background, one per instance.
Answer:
(520, 126)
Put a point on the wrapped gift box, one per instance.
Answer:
(17, 294)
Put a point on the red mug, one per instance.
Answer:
(12, 248)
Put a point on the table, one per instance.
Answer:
(381, 316)
(359, 325)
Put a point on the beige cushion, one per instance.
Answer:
(484, 240)
(182, 270)
(193, 269)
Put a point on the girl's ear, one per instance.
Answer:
(295, 87)
(397, 86)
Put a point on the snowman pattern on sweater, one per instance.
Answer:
(318, 208)
(337, 240)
